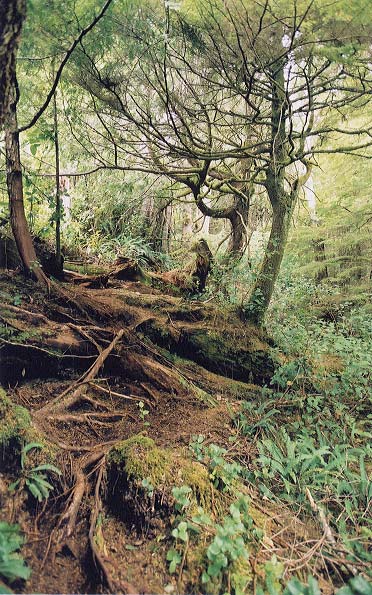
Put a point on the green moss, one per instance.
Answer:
(241, 357)
(197, 478)
(198, 392)
(261, 520)
(241, 575)
(5, 402)
(15, 420)
(86, 268)
(16, 429)
(140, 458)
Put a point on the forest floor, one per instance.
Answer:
(114, 385)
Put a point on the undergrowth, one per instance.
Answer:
(313, 425)
(12, 565)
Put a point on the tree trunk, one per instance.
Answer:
(12, 14)
(320, 256)
(161, 228)
(239, 229)
(281, 201)
(58, 212)
(18, 220)
(263, 288)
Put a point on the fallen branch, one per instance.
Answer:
(320, 512)
(328, 534)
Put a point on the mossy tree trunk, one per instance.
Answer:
(265, 283)
(282, 201)
(282, 192)
(320, 256)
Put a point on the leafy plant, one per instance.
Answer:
(174, 559)
(34, 479)
(230, 541)
(12, 565)
(222, 472)
(356, 586)
(143, 412)
(181, 497)
(197, 446)
(146, 483)
(256, 418)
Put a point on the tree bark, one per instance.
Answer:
(264, 286)
(18, 220)
(58, 211)
(239, 229)
(320, 256)
(58, 187)
(160, 229)
(12, 14)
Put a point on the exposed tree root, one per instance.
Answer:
(97, 544)
(63, 401)
(86, 335)
(88, 410)
(95, 402)
(83, 417)
(67, 521)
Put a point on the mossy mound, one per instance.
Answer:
(141, 481)
(238, 357)
(16, 430)
(139, 459)
(142, 476)
(15, 420)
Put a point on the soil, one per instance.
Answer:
(164, 360)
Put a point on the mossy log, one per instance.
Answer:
(237, 354)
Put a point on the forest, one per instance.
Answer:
(185, 288)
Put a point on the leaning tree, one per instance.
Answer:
(14, 13)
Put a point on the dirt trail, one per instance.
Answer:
(185, 364)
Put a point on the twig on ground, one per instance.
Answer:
(320, 512)
(120, 395)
